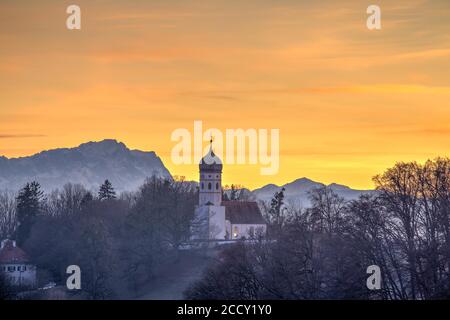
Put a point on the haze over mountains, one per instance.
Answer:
(88, 164)
(297, 191)
(91, 163)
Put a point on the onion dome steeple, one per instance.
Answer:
(211, 162)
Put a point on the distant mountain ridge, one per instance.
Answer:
(91, 163)
(297, 191)
(88, 164)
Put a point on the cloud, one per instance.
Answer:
(377, 89)
(422, 131)
(13, 136)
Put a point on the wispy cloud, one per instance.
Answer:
(378, 88)
(13, 136)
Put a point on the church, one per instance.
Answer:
(216, 219)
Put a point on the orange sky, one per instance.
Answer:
(349, 102)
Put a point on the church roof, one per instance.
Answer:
(243, 212)
(10, 253)
(211, 162)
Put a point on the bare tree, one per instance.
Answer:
(327, 210)
(8, 219)
(67, 201)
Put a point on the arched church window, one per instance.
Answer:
(217, 186)
(209, 186)
(203, 186)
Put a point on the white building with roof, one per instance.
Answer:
(15, 265)
(216, 219)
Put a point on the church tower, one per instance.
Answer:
(210, 188)
(209, 222)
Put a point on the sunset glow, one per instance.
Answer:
(349, 102)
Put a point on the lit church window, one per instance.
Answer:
(235, 233)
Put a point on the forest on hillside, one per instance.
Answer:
(122, 242)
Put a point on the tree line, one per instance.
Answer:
(122, 242)
(119, 242)
(323, 252)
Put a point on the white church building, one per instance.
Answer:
(216, 219)
(15, 265)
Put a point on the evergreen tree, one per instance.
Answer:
(88, 197)
(106, 191)
(233, 194)
(29, 206)
(276, 210)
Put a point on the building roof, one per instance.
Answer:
(243, 212)
(10, 253)
(211, 162)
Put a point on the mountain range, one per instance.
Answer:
(91, 163)
(88, 164)
(297, 191)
